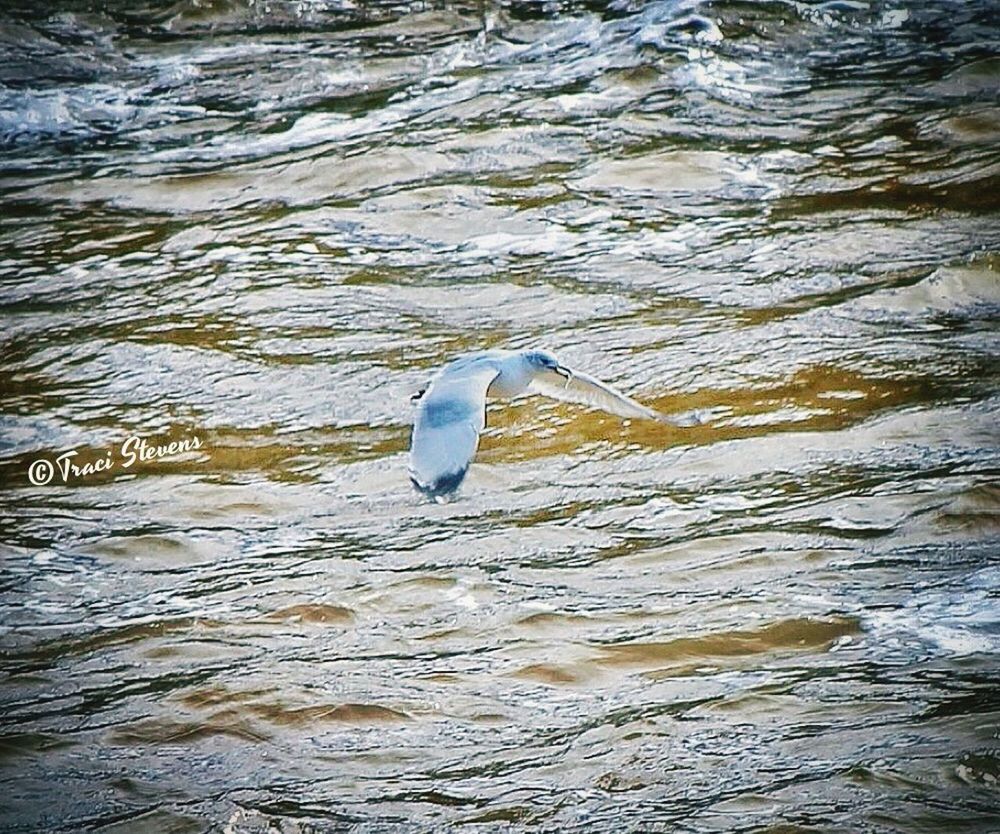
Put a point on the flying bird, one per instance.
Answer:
(452, 408)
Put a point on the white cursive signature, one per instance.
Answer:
(132, 451)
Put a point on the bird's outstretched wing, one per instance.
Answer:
(452, 413)
(584, 389)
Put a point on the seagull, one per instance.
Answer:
(452, 408)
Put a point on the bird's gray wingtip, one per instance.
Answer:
(684, 421)
(442, 487)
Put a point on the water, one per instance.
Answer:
(257, 228)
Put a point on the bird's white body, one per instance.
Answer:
(514, 373)
(452, 409)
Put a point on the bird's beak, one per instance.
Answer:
(564, 372)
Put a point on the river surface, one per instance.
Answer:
(252, 230)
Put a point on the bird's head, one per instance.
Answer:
(542, 360)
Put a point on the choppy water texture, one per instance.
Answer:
(263, 225)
